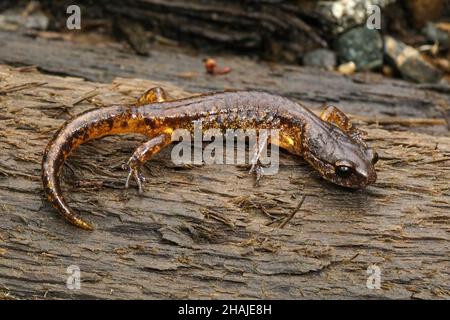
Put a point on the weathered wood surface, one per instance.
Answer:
(364, 94)
(202, 232)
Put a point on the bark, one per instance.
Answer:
(206, 231)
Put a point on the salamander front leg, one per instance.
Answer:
(144, 152)
(260, 146)
(156, 94)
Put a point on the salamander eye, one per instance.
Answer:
(375, 158)
(343, 171)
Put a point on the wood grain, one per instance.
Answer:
(207, 232)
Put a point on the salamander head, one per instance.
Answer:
(340, 158)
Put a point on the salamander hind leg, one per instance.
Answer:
(335, 116)
(156, 94)
(143, 153)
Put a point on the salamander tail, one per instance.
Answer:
(52, 162)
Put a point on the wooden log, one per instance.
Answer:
(272, 29)
(207, 232)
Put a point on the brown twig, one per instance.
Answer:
(289, 218)
(89, 95)
(407, 122)
(20, 87)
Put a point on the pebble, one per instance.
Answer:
(322, 58)
(342, 15)
(347, 68)
(14, 19)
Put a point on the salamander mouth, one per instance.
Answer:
(372, 177)
(356, 181)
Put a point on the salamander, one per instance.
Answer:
(329, 142)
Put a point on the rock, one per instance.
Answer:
(37, 20)
(14, 19)
(342, 15)
(322, 58)
(409, 62)
(434, 34)
(424, 10)
(362, 46)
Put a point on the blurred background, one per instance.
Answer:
(411, 40)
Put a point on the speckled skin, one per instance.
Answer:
(321, 143)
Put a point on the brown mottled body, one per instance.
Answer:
(301, 133)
